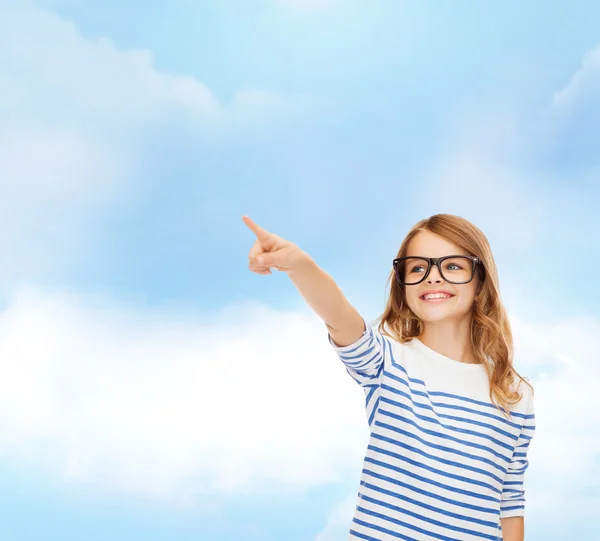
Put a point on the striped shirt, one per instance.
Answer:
(441, 462)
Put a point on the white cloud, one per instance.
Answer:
(48, 63)
(584, 84)
(564, 466)
(52, 64)
(167, 406)
(570, 122)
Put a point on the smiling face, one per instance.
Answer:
(457, 308)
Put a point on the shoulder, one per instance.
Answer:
(393, 346)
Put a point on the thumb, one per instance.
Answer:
(268, 261)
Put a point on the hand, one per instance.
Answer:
(276, 252)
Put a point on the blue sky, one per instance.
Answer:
(153, 387)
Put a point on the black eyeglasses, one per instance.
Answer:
(455, 269)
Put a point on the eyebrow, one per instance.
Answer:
(449, 255)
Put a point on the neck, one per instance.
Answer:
(450, 338)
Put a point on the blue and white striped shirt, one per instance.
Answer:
(442, 462)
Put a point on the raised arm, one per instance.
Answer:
(344, 323)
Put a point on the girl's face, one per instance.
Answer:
(457, 307)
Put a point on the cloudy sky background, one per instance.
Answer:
(152, 386)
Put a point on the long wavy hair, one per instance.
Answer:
(491, 337)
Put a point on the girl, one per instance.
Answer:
(450, 418)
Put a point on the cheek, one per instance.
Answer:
(466, 298)
(413, 301)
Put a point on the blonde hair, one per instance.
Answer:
(491, 337)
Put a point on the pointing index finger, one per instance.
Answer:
(261, 233)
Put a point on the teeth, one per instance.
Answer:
(437, 296)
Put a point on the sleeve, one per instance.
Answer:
(364, 358)
(512, 502)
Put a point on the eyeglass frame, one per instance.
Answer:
(431, 261)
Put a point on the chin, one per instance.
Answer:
(435, 314)
(429, 319)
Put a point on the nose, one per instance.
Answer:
(434, 273)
